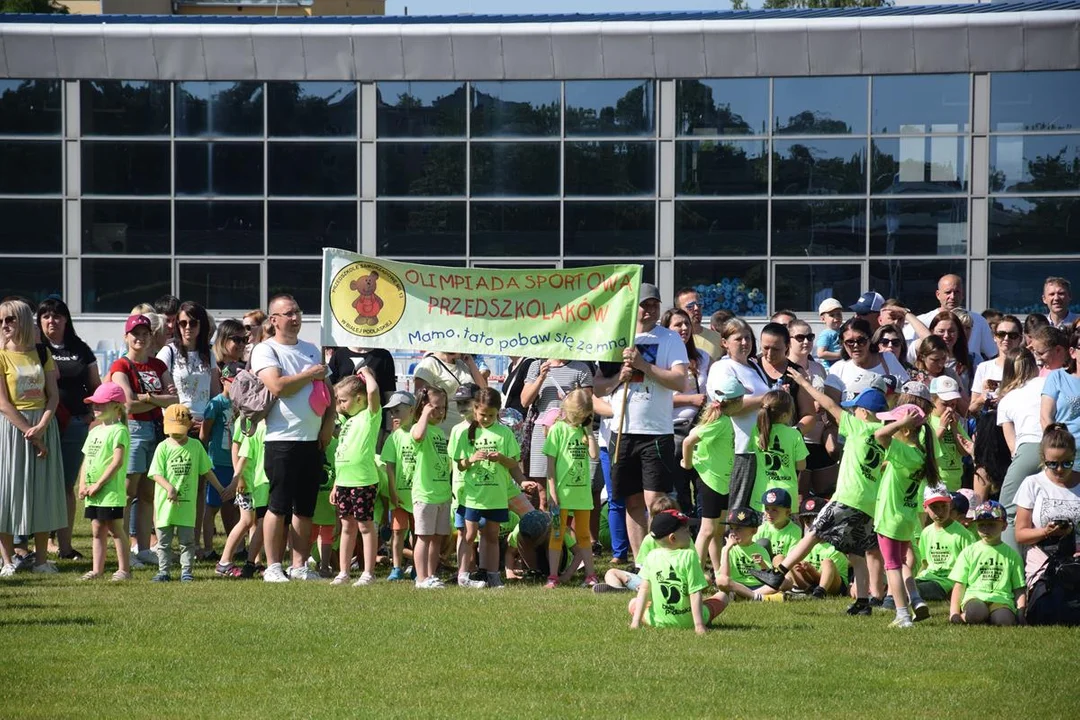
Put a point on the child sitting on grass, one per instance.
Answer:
(940, 545)
(777, 534)
(741, 555)
(989, 575)
(179, 462)
(616, 580)
(672, 581)
(824, 572)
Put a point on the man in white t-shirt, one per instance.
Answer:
(642, 399)
(296, 436)
(950, 296)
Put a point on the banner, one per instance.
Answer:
(581, 313)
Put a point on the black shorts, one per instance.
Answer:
(713, 505)
(847, 529)
(294, 469)
(103, 514)
(645, 462)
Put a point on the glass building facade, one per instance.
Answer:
(764, 193)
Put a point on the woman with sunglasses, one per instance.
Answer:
(253, 328)
(1061, 393)
(230, 342)
(1048, 503)
(1008, 335)
(860, 363)
(890, 338)
(821, 467)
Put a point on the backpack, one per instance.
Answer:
(251, 400)
(1054, 599)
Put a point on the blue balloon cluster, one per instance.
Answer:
(731, 294)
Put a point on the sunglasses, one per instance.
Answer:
(188, 323)
(1002, 335)
(692, 305)
(10, 320)
(889, 342)
(856, 342)
(238, 339)
(803, 338)
(249, 328)
(1062, 465)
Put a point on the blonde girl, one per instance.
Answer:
(710, 450)
(103, 479)
(779, 448)
(569, 446)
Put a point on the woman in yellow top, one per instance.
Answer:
(32, 497)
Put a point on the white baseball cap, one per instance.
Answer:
(945, 388)
(828, 305)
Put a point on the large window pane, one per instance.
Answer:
(300, 278)
(739, 286)
(1034, 163)
(1034, 101)
(408, 229)
(903, 226)
(514, 228)
(125, 168)
(609, 228)
(1034, 225)
(820, 106)
(34, 278)
(515, 109)
(802, 287)
(219, 108)
(819, 228)
(721, 228)
(126, 227)
(420, 109)
(30, 167)
(421, 169)
(116, 286)
(648, 267)
(611, 107)
(919, 165)
(920, 103)
(31, 226)
(306, 169)
(311, 109)
(819, 167)
(221, 286)
(722, 107)
(219, 168)
(1016, 287)
(219, 228)
(610, 168)
(124, 107)
(30, 107)
(515, 168)
(913, 282)
(305, 228)
(708, 167)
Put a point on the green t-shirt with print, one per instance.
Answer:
(741, 562)
(431, 480)
(325, 513)
(897, 510)
(673, 576)
(714, 455)
(950, 461)
(569, 445)
(354, 462)
(780, 539)
(252, 450)
(859, 475)
(776, 466)
(648, 544)
(939, 548)
(98, 451)
(181, 466)
(991, 573)
(382, 494)
(514, 534)
(453, 447)
(825, 551)
(400, 451)
(485, 483)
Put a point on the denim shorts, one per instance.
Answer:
(633, 582)
(476, 515)
(143, 444)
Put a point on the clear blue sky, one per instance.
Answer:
(487, 7)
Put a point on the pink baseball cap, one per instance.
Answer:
(902, 411)
(135, 321)
(106, 393)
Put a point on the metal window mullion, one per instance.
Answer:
(867, 164)
(174, 265)
(562, 173)
(468, 173)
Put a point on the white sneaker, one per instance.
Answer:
(303, 573)
(149, 557)
(902, 624)
(466, 582)
(46, 568)
(365, 579)
(342, 579)
(436, 583)
(274, 574)
(7, 571)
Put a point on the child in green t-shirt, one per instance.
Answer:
(527, 549)
(399, 458)
(178, 465)
(569, 446)
(616, 580)
(940, 545)
(989, 575)
(779, 448)
(824, 572)
(356, 476)
(252, 498)
(672, 581)
(103, 476)
(324, 523)
(431, 486)
(778, 529)
(741, 555)
(951, 441)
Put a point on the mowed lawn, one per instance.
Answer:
(246, 649)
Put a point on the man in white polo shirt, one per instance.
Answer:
(950, 296)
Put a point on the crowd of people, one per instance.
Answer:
(891, 457)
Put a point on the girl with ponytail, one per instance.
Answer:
(779, 448)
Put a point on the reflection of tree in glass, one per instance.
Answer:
(610, 168)
(126, 108)
(632, 115)
(225, 109)
(699, 112)
(1038, 224)
(491, 115)
(412, 116)
(515, 169)
(779, 4)
(803, 171)
(721, 168)
(809, 122)
(295, 112)
(1047, 173)
(22, 105)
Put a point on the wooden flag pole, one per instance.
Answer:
(622, 419)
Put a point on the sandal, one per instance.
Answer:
(91, 576)
(120, 576)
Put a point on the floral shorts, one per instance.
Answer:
(244, 501)
(357, 502)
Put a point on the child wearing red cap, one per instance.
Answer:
(940, 544)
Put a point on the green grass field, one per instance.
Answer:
(245, 649)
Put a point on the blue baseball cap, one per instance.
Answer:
(870, 399)
(776, 496)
